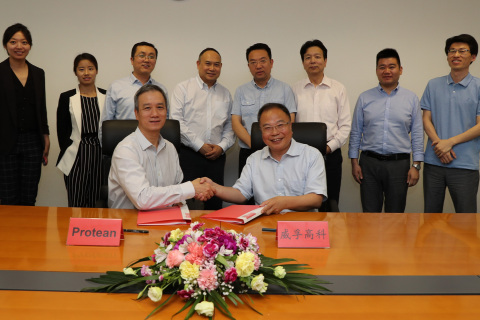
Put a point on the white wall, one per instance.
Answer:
(353, 31)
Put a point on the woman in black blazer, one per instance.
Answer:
(78, 116)
(24, 138)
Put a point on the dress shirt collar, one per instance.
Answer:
(145, 144)
(202, 85)
(134, 79)
(394, 91)
(465, 81)
(269, 83)
(326, 81)
(293, 151)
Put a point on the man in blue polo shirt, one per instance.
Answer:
(451, 117)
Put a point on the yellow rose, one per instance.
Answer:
(279, 272)
(175, 235)
(258, 284)
(245, 264)
(189, 271)
(155, 293)
(205, 308)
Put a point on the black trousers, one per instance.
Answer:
(333, 168)
(194, 165)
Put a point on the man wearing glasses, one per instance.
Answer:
(119, 100)
(451, 117)
(387, 127)
(254, 94)
(285, 175)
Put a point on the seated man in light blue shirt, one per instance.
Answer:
(451, 117)
(252, 95)
(387, 127)
(285, 175)
(119, 99)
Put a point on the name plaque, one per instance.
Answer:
(95, 232)
(303, 234)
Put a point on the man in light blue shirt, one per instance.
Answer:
(119, 99)
(387, 127)
(451, 117)
(250, 97)
(285, 175)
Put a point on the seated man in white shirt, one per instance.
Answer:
(285, 175)
(145, 172)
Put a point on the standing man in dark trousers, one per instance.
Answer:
(203, 107)
(321, 99)
(387, 127)
(451, 117)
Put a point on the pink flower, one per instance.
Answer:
(230, 275)
(195, 249)
(184, 294)
(210, 250)
(257, 262)
(207, 280)
(153, 257)
(145, 271)
(174, 258)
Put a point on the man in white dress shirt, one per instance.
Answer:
(145, 172)
(203, 107)
(321, 99)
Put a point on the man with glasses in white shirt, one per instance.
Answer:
(203, 107)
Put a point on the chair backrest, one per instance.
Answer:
(114, 131)
(312, 133)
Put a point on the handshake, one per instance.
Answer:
(205, 188)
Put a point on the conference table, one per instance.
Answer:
(381, 266)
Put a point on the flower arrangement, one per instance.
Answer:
(205, 267)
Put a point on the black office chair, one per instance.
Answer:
(312, 133)
(114, 131)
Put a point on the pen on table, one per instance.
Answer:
(269, 230)
(135, 230)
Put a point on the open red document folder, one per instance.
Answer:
(240, 214)
(165, 216)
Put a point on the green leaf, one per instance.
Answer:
(161, 305)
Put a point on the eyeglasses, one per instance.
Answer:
(279, 127)
(143, 56)
(260, 62)
(461, 52)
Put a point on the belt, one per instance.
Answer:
(386, 157)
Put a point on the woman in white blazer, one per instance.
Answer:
(78, 116)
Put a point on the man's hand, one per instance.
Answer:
(442, 147)
(448, 157)
(329, 150)
(203, 190)
(412, 177)
(274, 205)
(215, 152)
(206, 148)
(357, 171)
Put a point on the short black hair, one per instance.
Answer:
(143, 43)
(147, 88)
(10, 31)
(260, 46)
(313, 43)
(84, 56)
(388, 53)
(208, 49)
(270, 106)
(463, 38)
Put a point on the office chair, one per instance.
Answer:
(114, 131)
(312, 133)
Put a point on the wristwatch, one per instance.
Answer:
(417, 166)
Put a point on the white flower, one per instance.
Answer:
(279, 272)
(155, 293)
(160, 255)
(258, 284)
(205, 308)
(128, 271)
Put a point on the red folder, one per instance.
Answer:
(240, 214)
(165, 216)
